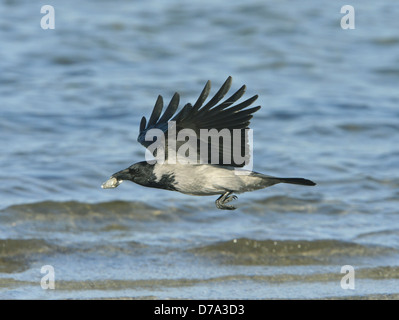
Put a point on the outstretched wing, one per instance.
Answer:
(214, 133)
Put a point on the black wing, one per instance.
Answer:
(208, 127)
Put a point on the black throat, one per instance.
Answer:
(147, 178)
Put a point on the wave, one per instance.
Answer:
(50, 209)
(16, 255)
(246, 251)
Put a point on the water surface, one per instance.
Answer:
(71, 102)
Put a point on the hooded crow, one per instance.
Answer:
(215, 162)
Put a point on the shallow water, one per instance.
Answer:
(71, 101)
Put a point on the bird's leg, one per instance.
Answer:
(223, 199)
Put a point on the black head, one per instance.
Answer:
(140, 173)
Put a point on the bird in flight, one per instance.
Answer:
(216, 137)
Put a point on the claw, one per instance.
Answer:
(223, 199)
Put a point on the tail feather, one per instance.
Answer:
(270, 180)
(301, 181)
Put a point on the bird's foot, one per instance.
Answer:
(223, 199)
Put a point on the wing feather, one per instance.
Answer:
(171, 109)
(213, 115)
(219, 95)
(204, 94)
(156, 112)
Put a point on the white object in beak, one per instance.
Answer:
(111, 183)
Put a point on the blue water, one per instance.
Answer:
(70, 104)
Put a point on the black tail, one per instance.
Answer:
(301, 181)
